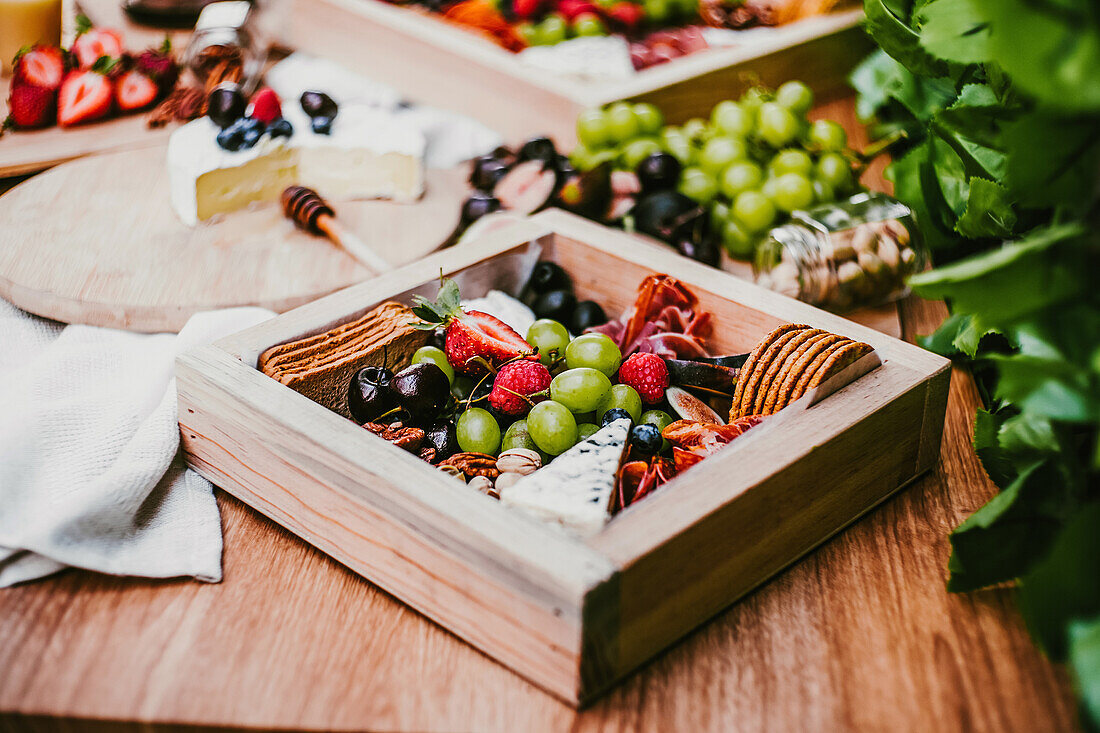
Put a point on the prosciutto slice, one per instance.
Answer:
(664, 320)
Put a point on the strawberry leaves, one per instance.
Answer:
(440, 311)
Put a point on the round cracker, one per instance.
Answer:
(818, 363)
(789, 388)
(840, 359)
(780, 365)
(750, 361)
(795, 363)
(760, 368)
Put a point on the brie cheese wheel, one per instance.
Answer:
(368, 155)
(574, 490)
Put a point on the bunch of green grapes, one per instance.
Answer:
(752, 163)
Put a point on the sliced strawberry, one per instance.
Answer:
(41, 66)
(265, 106)
(89, 46)
(85, 96)
(134, 90)
(476, 334)
(32, 106)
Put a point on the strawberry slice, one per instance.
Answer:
(36, 76)
(473, 339)
(134, 90)
(41, 66)
(92, 44)
(85, 96)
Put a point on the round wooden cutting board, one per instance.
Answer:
(96, 241)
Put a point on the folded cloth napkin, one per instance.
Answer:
(89, 471)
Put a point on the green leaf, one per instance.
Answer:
(934, 217)
(1051, 160)
(1051, 388)
(83, 24)
(1008, 535)
(943, 341)
(955, 30)
(1065, 584)
(1028, 438)
(1084, 663)
(988, 211)
(969, 338)
(449, 297)
(987, 445)
(900, 41)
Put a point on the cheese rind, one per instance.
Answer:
(574, 491)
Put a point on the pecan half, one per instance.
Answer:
(408, 438)
(473, 464)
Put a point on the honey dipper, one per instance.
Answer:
(309, 211)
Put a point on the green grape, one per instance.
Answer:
(696, 130)
(778, 125)
(462, 387)
(550, 338)
(676, 143)
(581, 417)
(593, 350)
(686, 9)
(658, 418)
(637, 150)
(624, 396)
(834, 169)
(823, 192)
(754, 98)
(477, 431)
(432, 355)
(650, 119)
(719, 213)
(657, 12)
(552, 30)
(732, 119)
(622, 122)
(719, 152)
(737, 242)
(795, 96)
(754, 211)
(517, 436)
(792, 160)
(592, 129)
(696, 184)
(579, 389)
(828, 136)
(588, 24)
(528, 32)
(586, 430)
(768, 187)
(793, 191)
(743, 175)
(552, 427)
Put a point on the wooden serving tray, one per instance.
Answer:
(572, 615)
(439, 63)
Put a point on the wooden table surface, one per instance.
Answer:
(860, 635)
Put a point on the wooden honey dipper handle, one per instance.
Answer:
(309, 211)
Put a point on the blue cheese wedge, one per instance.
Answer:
(574, 491)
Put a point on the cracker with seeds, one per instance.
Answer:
(760, 368)
(780, 365)
(746, 368)
(807, 360)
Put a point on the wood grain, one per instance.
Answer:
(96, 241)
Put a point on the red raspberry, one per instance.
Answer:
(517, 385)
(265, 106)
(646, 373)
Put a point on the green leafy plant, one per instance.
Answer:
(998, 106)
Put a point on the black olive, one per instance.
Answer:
(478, 205)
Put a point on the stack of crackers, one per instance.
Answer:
(787, 363)
(322, 366)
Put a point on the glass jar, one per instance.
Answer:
(223, 47)
(843, 255)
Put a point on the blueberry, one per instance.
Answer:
(318, 104)
(280, 128)
(557, 305)
(645, 438)
(251, 137)
(587, 314)
(250, 124)
(226, 105)
(231, 138)
(615, 413)
(321, 125)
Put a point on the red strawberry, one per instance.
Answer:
(518, 386)
(647, 374)
(472, 337)
(572, 8)
(32, 106)
(92, 44)
(265, 106)
(84, 96)
(158, 65)
(626, 14)
(36, 75)
(41, 66)
(526, 9)
(134, 90)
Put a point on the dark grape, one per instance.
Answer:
(659, 172)
(557, 305)
(548, 276)
(226, 105)
(318, 104)
(486, 171)
(539, 148)
(587, 314)
(478, 205)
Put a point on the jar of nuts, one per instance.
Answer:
(843, 255)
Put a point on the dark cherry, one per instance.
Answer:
(226, 105)
(318, 104)
(659, 172)
(587, 314)
(370, 395)
(659, 214)
(615, 413)
(546, 276)
(539, 148)
(478, 205)
(422, 390)
(486, 171)
(556, 305)
(645, 438)
(441, 436)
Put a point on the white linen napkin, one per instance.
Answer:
(89, 471)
